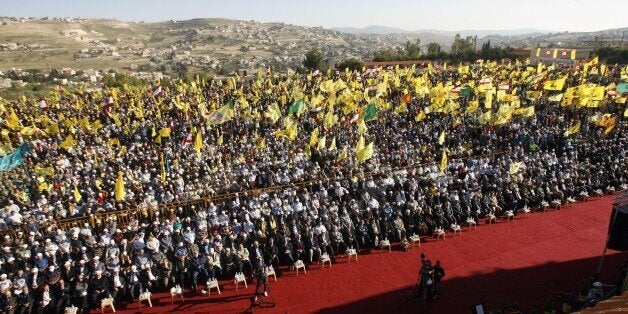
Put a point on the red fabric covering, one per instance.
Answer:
(523, 261)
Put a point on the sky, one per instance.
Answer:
(551, 15)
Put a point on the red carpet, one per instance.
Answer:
(523, 261)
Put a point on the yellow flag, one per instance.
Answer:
(48, 171)
(555, 84)
(332, 146)
(273, 112)
(164, 132)
(573, 130)
(473, 106)
(68, 142)
(44, 187)
(420, 116)
(443, 162)
(362, 127)
(528, 111)
(220, 139)
(441, 138)
(485, 117)
(488, 102)
(198, 142)
(321, 143)
(343, 154)
(77, 195)
(365, 153)
(119, 192)
(609, 129)
(114, 142)
(314, 137)
(360, 144)
(13, 122)
(163, 171)
(514, 167)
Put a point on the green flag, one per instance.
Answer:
(466, 91)
(622, 88)
(297, 107)
(370, 112)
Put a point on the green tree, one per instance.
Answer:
(433, 49)
(612, 55)
(314, 60)
(413, 50)
(462, 45)
(180, 69)
(351, 63)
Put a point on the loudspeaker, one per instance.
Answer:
(618, 229)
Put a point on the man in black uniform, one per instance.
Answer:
(439, 273)
(426, 281)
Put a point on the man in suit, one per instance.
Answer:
(81, 288)
(24, 301)
(99, 288)
(262, 279)
(272, 255)
(197, 268)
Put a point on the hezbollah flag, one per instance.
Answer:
(119, 192)
(441, 138)
(515, 167)
(273, 112)
(555, 84)
(573, 130)
(77, 195)
(222, 115)
(365, 153)
(198, 142)
(68, 142)
(443, 162)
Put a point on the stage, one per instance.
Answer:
(522, 261)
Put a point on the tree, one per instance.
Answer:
(413, 50)
(351, 63)
(486, 46)
(433, 49)
(180, 69)
(314, 60)
(462, 45)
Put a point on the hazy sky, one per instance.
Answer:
(555, 15)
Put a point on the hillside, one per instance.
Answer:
(207, 44)
(217, 45)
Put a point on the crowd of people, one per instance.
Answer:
(436, 159)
